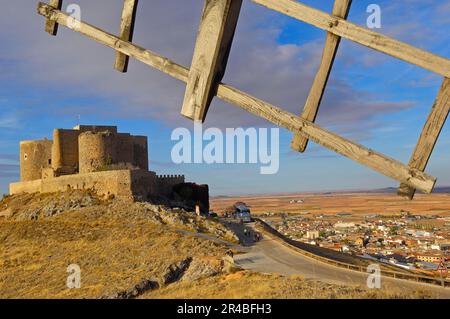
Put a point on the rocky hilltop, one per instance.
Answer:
(130, 250)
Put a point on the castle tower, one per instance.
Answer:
(97, 150)
(65, 151)
(34, 156)
(140, 152)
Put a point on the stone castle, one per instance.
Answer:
(98, 158)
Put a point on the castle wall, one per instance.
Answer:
(97, 151)
(34, 156)
(25, 187)
(65, 151)
(48, 172)
(144, 184)
(96, 128)
(121, 183)
(193, 194)
(125, 148)
(140, 152)
(167, 182)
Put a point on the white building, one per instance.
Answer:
(341, 225)
(312, 234)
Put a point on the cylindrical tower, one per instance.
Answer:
(97, 151)
(65, 151)
(34, 156)
(57, 151)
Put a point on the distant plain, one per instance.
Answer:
(358, 204)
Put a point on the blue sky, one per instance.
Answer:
(371, 98)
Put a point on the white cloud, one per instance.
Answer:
(9, 121)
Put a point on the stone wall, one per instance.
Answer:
(65, 151)
(192, 194)
(25, 187)
(140, 152)
(96, 128)
(34, 156)
(167, 182)
(144, 184)
(125, 149)
(97, 151)
(48, 172)
(128, 184)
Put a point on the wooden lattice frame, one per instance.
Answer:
(214, 40)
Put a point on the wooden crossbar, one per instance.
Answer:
(213, 45)
(377, 161)
(51, 27)
(338, 26)
(126, 32)
(355, 33)
(340, 10)
(429, 136)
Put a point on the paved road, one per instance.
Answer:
(270, 256)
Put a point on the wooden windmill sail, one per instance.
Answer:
(214, 41)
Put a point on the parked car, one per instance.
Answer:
(242, 212)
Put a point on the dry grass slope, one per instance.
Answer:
(249, 285)
(120, 244)
(115, 244)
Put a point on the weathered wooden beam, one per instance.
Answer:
(148, 57)
(378, 162)
(212, 48)
(366, 37)
(126, 32)
(51, 27)
(340, 9)
(429, 135)
(356, 152)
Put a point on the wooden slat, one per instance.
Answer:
(214, 40)
(378, 162)
(51, 27)
(429, 136)
(358, 153)
(340, 9)
(126, 32)
(360, 35)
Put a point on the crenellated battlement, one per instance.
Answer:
(166, 177)
(167, 182)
